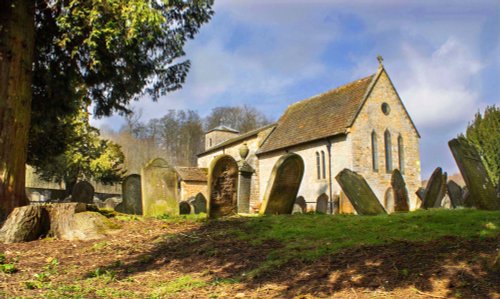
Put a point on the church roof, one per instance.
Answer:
(194, 174)
(321, 116)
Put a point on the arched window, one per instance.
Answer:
(323, 172)
(318, 169)
(374, 152)
(401, 154)
(388, 151)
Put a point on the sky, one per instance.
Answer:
(442, 56)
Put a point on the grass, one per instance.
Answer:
(183, 283)
(308, 237)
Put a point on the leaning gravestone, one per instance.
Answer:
(283, 185)
(302, 203)
(131, 196)
(83, 192)
(199, 203)
(455, 194)
(184, 208)
(421, 195)
(159, 189)
(222, 187)
(401, 198)
(359, 193)
(481, 188)
(435, 190)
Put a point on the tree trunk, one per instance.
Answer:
(17, 43)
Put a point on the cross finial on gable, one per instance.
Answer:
(380, 59)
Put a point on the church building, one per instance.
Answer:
(363, 126)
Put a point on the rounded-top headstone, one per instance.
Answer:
(222, 187)
(302, 203)
(131, 194)
(159, 189)
(283, 185)
(184, 208)
(400, 193)
(322, 204)
(83, 191)
(199, 203)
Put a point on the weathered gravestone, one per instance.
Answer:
(389, 200)
(112, 202)
(466, 198)
(83, 192)
(131, 196)
(222, 187)
(184, 208)
(199, 203)
(159, 189)
(359, 193)
(435, 190)
(283, 185)
(481, 188)
(401, 198)
(421, 196)
(455, 194)
(302, 203)
(322, 204)
(297, 209)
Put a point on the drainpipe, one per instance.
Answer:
(329, 148)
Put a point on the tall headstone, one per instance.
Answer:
(245, 172)
(322, 204)
(401, 198)
(222, 187)
(481, 188)
(199, 203)
(131, 196)
(159, 189)
(302, 203)
(283, 185)
(435, 190)
(83, 191)
(389, 200)
(455, 194)
(359, 193)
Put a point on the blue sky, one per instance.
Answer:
(443, 57)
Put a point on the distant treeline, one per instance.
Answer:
(178, 135)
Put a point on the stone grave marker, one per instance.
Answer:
(297, 209)
(184, 208)
(159, 189)
(112, 202)
(455, 194)
(83, 191)
(131, 196)
(222, 187)
(401, 198)
(322, 204)
(481, 188)
(446, 202)
(283, 185)
(421, 195)
(302, 203)
(435, 190)
(199, 203)
(359, 193)
(389, 200)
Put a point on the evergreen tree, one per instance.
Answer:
(484, 133)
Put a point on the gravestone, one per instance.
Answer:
(302, 203)
(112, 202)
(435, 190)
(83, 192)
(401, 198)
(389, 200)
(421, 195)
(283, 185)
(481, 188)
(466, 198)
(199, 203)
(455, 194)
(322, 204)
(184, 208)
(297, 209)
(131, 196)
(223, 187)
(159, 189)
(446, 202)
(359, 193)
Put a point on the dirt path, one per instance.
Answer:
(153, 258)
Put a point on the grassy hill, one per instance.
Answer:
(437, 253)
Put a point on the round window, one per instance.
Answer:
(386, 109)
